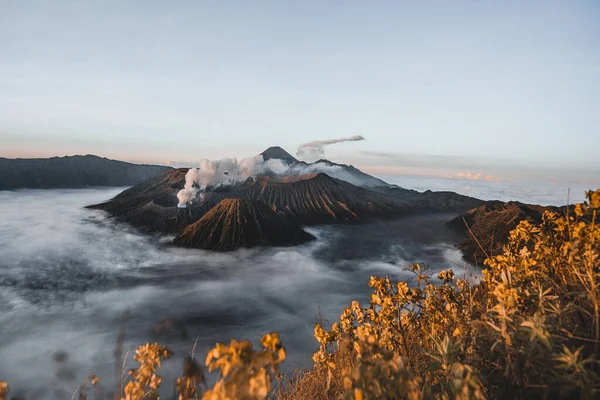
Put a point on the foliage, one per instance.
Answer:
(144, 381)
(246, 374)
(3, 390)
(91, 380)
(529, 329)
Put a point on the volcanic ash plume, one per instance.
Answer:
(226, 171)
(315, 150)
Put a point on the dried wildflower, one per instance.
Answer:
(3, 390)
(245, 373)
(144, 383)
(507, 328)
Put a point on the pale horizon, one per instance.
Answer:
(385, 172)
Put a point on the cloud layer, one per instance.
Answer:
(66, 274)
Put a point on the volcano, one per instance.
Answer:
(277, 153)
(152, 205)
(298, 199)
(73, 172)
(236, 223)
(308, 200)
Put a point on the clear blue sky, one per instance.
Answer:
(442, 87)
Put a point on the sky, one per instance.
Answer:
(477, 88)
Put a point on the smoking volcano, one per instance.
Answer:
(274, 197)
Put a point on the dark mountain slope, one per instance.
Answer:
(354, 175)
(235, 223)
(491, 225)
(344, 172)
(315, 199)
(152, 205)
(162, 188)
(429, 201)
(318, 199)
(309, 199)
(72, 172)
(277, 152)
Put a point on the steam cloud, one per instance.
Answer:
(315, 150)
(226, 171)
(229, 171)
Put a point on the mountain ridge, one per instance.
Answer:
(77, 171)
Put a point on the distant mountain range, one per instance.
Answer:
(72, 172)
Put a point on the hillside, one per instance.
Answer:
(72, 172)
(351, 174)
(344, 172)
(235, 223)
(316, 199)
(152, 204)
(319, 199)
(429, 200)
(491, 225)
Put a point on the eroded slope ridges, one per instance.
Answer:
(314, 200)
(319, 199)
(310, 199)
(239, 222)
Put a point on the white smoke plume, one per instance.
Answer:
(226, 171)
(315, 150)
(229, 171)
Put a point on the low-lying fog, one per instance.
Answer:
(67, 273)
(529, 192)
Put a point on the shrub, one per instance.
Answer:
(529, 329)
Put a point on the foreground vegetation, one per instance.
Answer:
(529, 329)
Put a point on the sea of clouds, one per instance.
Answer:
(531, 192)
(67, 273)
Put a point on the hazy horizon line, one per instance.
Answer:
(380, 171)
